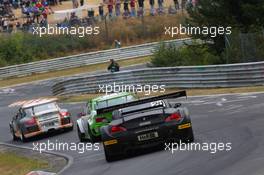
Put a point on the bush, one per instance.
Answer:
(171, 55)
(244, 47)
(22, 48)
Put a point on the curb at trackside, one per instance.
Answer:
(67, 157)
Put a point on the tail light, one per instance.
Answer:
(32, 121)
(173, 117)
(115, 129)
(65, 114)
(100, 119)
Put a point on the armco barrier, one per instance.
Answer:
(83, 59)
(230, 75)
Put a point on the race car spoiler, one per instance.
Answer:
(146, 100)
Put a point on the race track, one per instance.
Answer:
(238, 119)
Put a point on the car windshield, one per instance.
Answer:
(41, 108)
(114, 101)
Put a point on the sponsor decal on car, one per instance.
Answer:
(110, 142)
(184, 126)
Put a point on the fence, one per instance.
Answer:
(83, 59)
(232, 75)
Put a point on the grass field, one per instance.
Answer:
(12, 164)
(68, 72)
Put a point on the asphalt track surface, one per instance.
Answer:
(236, 118)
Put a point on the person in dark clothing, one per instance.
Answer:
(176, 4)
(113, 67)
(141, 3)
(152, 9)
(101, 11)
(126, 8)
(81, 2)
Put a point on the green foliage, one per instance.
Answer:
(244, 48)
(22, 48)
(245, 15)
(171, 55)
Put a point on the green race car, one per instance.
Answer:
(94, 116)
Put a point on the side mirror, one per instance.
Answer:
(81, 114)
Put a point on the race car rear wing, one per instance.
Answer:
(146, 100)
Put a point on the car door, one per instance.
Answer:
(14, 123)
(19, 122)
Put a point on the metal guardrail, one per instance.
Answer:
(230, 75)
(83, 59)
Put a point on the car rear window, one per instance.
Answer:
(40, 108)
(115, 101)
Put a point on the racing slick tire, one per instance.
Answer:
(14, 137)
(188, 137)
(22, 138)
(69, 129)
(110, 157)
(93, 138)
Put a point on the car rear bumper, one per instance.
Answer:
(36, 133)
(167, 133)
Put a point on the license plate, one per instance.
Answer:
(49, 124)
(148, 136)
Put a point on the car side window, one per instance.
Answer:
(18, 116)
(88, 108)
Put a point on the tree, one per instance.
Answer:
(242, 15)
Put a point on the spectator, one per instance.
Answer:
(81, 2)
(133, 7)
(176, 4)
(141, 7)
(43, 21)
(152, 9)
(5, 24)
(141, 3)
(110, 7)
(160, 8)
(101, 11)
(126, 8)
(114, 66)
(117, 7)
(75, 4)
(183, 4)
(172, 10)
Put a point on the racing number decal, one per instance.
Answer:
(157, 103)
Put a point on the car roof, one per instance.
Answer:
(32, 102)
(111, 96)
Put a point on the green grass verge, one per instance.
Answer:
(12, 164)
(69, 72)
